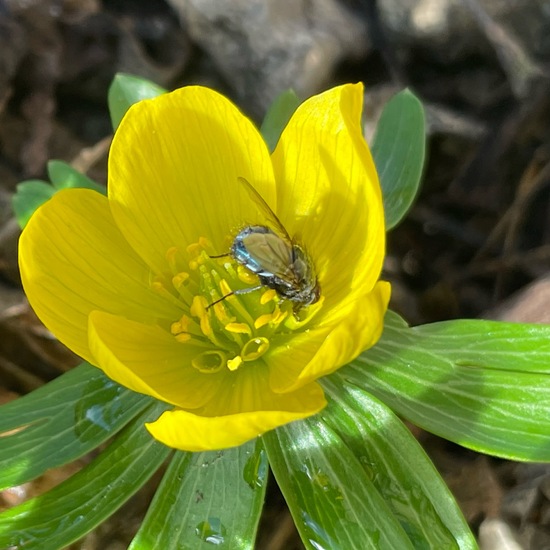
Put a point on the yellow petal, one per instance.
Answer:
(193, 432)
(341, 337)
(149, 360)
(174, 167)
(74, 260)
(328, 193)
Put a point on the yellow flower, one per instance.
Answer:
(126, 281)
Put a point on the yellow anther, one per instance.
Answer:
(157, 286)
(235, 363)
(225, 288)
(263, 320)
(193, 265)
(160, 288)
(279, 316)
(246, 276)
(183, 337)
(175, 328)
(204, 243)
(238, 328)
(194, 250)
(254, 349)
(267, 296)
(198, 307)
(221, 313)
(185, 322)
(206, 327)
(171, 257)
(171, 253)
(180, 279)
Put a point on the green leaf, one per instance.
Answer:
(28, 197)
(70, 510)
(397, 466)
(207, 499)
(64, 176)
(62, 421)
(482, 384)
(277, 117)
(398, 150)
(125, 90)
(333, 501)
(31, 194)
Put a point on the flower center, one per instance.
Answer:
(225, 310)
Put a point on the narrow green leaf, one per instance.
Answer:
(207, 499)
(398, 467)
(125, 90)
(277, 117)
(64, 176)
(332, 499)
(62, 421)
(28, 197)
(70, 510)
(398, 150)
(482, 384)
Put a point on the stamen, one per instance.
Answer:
(198, 306)
(224, 287)
(180, 279)
(171, 258)
(279, 316)
(222, 314)
(235, 363)
(236, 304)
(204, 243)
(159, 287)
(193, 265)
(194, 250)
(175, 328)
(238, 328)
(198, 309)
(263, 320)
(225, 310)
(181, 282)
(267, 296)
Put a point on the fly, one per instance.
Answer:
(270, 252)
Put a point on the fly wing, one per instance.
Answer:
(271, 254)
(270, 216)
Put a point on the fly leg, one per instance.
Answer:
(234, 292)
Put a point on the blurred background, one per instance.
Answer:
(476, 243)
